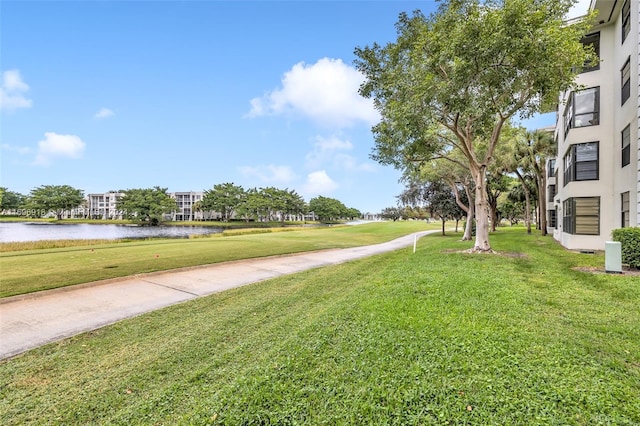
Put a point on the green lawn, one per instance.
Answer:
(431, 338)
(26, 271)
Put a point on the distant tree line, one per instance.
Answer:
(42, 200)
(150, 205)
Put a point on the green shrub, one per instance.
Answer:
(630, 241)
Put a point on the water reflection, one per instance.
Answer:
(37, 231)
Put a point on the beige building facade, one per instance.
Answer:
(594, 181)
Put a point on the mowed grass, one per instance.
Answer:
(27, 271)
(431, 338)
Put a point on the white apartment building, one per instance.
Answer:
(186, 202)
(103, 206)
(594, 181)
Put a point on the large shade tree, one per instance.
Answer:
(146, 205)
(392, 213)
(11, 200)
(454, 79)
(292, 204)
(327, 209)
(54, 198)
(441, 202)
(252, 206)
(281, 202)
(224, 198)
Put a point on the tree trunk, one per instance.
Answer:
(493, 207)
(527, 201)
(471, 212)
(527, 213)
(468, 234)
(482, 211)
(468, 227)
(443, 220)
(542, 202)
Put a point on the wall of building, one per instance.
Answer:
(637, 127)
(103, 206)
(613, 179)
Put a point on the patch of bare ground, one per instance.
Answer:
(513, 255)
(626, 271)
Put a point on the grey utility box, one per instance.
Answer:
(613, 256)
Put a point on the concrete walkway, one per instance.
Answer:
(33, 320)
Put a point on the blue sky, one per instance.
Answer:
(108, 95)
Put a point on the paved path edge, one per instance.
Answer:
(36, 319)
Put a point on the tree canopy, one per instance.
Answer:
(393, 213)
(54, 198)
(327, 209)
(10, 200)
(452, 171)
(146, 205)
(452, 80)
(441, 202)
(278, 203)
(225, 198)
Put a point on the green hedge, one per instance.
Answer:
(630, 242)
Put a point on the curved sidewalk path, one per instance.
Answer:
(33, 320)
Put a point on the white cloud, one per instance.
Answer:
(56, 146)
(270, 174)
(325, 149)
(12, 91)
(22, 150)
(331, 150)
(350, 163)
(326, 92)
(103, 113)
(319, 183)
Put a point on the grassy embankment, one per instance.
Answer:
(26, 271)
(431, 338)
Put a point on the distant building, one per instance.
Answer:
(188, 206)
(594, 181)
(103, 206)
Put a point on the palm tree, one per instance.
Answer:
(542, 147)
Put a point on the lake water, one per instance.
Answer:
(37, 231)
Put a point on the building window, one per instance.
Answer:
(552, 193)
(626, 19)
(568, 219)
(581, 216)
(626, 146)
(625, 79)
(552, 215)
(551, 165)
(593, 41)
(581, 162)
(625, 209)
(583, 109)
